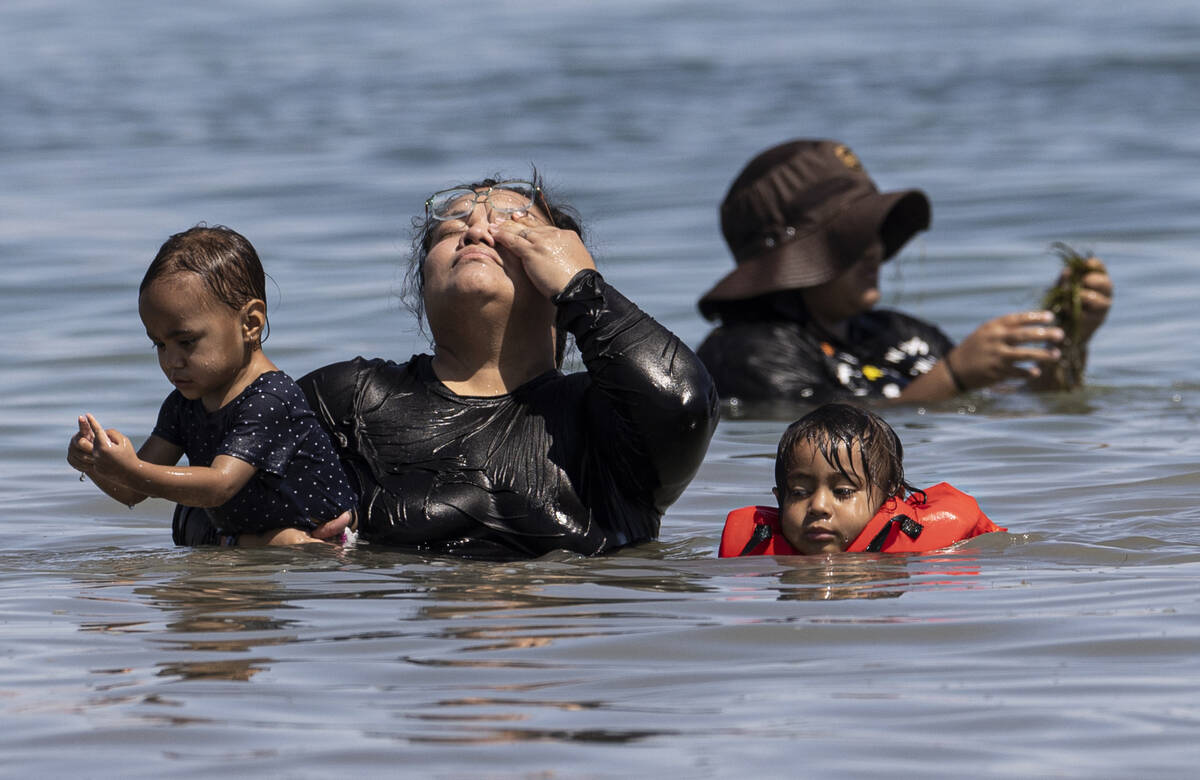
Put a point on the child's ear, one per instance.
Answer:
(775, 490)
(254, 320)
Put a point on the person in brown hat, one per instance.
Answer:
(808, 230)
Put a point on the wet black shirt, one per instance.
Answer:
(270, 426)
(585, 462)
(778, 359)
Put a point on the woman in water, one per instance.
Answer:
(809, 230)
(485, 448)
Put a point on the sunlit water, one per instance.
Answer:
(1068, 647)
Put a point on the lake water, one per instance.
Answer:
(1069, 647)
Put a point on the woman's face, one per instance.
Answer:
(464, 263)
(856, 290)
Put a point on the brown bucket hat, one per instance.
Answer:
(801, 213)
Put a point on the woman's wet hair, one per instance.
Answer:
(561, 215)
(223, 259)
(836, 430)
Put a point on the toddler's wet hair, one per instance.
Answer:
(836, 430)
(220, 256)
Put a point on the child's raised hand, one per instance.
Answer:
(79, 451)
(112, 452)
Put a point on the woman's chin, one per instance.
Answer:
(481, 280)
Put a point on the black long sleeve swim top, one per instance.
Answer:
(586, 462)
(771, 358)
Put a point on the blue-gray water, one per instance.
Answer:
(1069, 647)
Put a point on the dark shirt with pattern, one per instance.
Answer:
(778, 359)
(585, 462)
(299, 482)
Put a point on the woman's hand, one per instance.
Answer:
(1003, 348)
(551, 256)
(278, 537)
(332, 529)
(328, 532)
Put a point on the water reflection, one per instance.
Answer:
(860, 576)
(493, 616)
(239, 670)
(212, 608)
(469, 652)
(494, 736)
(835, 577)
(531, 620)
(220, 615)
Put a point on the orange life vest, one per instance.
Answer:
(927, 520)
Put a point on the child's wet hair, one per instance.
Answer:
(220, 256)
(836, 430)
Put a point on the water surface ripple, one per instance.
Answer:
(1066, 647)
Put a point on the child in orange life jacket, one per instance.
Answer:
(839, 482)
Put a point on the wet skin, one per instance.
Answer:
(822, 510)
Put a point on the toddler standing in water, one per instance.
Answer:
(840, 487)
(259, 465)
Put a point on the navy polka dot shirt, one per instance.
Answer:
(299, 482)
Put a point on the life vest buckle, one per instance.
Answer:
(762, 532)
(911, 528)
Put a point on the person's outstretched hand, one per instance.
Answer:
(1095, 296)
(1009, 346)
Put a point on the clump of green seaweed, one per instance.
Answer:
(1064, 301)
